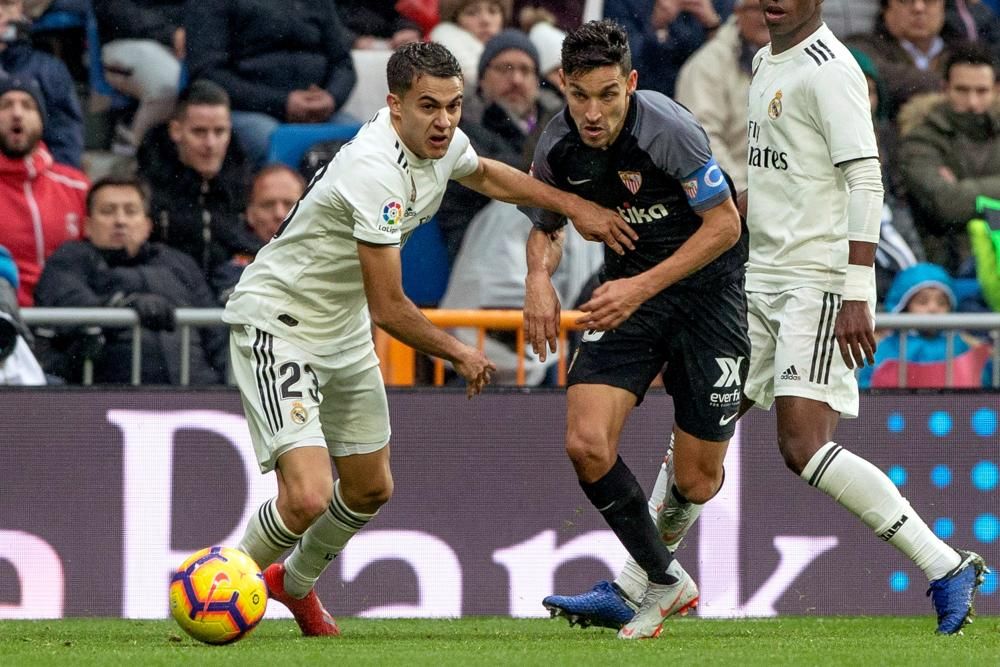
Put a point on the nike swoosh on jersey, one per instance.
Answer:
(580, 182)
(725, 420)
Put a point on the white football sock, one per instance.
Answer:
(870, 495)
(321, 543)
(632, 579)
(267, 536)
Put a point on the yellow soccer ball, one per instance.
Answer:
(218, 595)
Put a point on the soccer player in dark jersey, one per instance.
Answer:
(676, 299)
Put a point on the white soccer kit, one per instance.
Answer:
(300, 306)
(808, 113)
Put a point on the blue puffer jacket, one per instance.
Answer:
(926, 352)
(63, 133)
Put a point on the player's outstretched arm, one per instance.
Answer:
(541, 303)
(614, 301)
(500, 181)
(393, 311)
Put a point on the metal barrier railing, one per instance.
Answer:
(398, 360)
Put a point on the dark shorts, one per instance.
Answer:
(700, 342)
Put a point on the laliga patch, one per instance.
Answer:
(299, 413)
(392, 211)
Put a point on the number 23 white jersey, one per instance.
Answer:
(305, 285)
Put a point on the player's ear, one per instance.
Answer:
(394, 103)
(632, 82)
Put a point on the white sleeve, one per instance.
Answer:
(375, 192)
(864, 207)
(842, 112)
(467, 159)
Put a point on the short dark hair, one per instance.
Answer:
(118, 180)
(596, 44)
(201, 93)
(275, 168)
(969, 53)
(413, 60)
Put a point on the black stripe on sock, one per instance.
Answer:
(272, 529)
(823, 465)
(343, 514)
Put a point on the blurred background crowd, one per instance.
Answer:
(149, 148)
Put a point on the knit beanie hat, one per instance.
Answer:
(548, 40)
(506, 39)
(26, 86)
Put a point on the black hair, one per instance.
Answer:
(120, 181)
(596, 44)
(415, 59)
(968, 53)
(201, 93)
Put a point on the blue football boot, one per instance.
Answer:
(953, 594)
(604, 605)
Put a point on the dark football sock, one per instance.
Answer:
(620, 499)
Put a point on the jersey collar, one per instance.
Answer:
(822, 30)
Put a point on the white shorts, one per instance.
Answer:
(293, 398)
(795, 352)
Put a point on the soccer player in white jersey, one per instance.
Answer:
(301, 317)
(813, 210)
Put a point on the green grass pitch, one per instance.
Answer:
(812, 641)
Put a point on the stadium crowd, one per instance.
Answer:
(139, 163)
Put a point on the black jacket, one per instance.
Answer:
(198, 217)
(83, 276)
(261, 50)
(139, 19)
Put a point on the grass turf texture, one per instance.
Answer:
(503, 641)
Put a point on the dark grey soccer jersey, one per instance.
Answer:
(643, 175)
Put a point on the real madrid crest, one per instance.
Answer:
(774, 108)
(299, 413)
(631, 180)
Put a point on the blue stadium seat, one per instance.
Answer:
(291, 140)
(426, 266)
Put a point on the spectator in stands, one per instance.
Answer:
(566, 14)
(117, 266)
(952, 154)
(489, 273)
(664, 33)
(142, 49)
(548, 39)
(280, 63)
(466, 26)
(926, 289)
(375, 24)
(63, 133)
(907, 47)
(503, 119)
(899, 245)
(715, 81)
(18, 365)
(41, 201)
(274, 192)
(198, 176)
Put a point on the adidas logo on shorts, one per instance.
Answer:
(790, 374)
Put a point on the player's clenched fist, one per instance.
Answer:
(477, 370)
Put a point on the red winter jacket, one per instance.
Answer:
(42, 204)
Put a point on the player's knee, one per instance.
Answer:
(368, 496)
(591, 456)
(796, 452)
(700, 487)
(305, 505)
